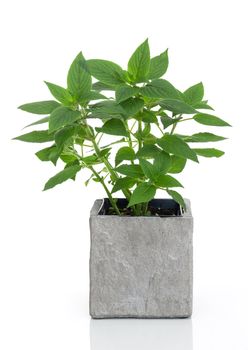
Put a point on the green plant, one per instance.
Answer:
(138, 103)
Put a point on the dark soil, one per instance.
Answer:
(152, 211)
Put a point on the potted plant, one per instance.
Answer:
(141, 246)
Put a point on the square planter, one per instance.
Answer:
(141, 266)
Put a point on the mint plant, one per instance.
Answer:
(140, 111)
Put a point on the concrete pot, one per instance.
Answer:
(141, 267)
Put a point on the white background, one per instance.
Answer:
(44, 246)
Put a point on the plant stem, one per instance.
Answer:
(184, 120)
(101, 180)
(139, 131)
(111, 171)
(145, 207)
(157, 124)
(174, 126)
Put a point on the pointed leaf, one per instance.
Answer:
(167, 121)
(194, 94)
(62, 135)
(173, 144)
(148, 151)
(162, 162)
(139, 63)
(42, 107)
(148, 116)
(44, 154)
(106, 71)
(78, 79)
(62, 176)
(204, 137)
(130, 170)
(132, 106)
(40, 121)
(177, 164)
(124, 92)
(149, 170)
(124, 153)
(123, 183)
(159, 65)
(143, 193)
(167, 181)
(209, 152)
(208, 119)
(36, 137)
(62, 116)
(177, 106)
(160, 88)
(177, 197)
(100, 86)
(61, 94)
(113, 127)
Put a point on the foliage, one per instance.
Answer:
(140, 104)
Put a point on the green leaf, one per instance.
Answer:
(62, 176)
(36, 137)
(194, 94)
(42, 107)
(159, 65)
(143, 193)
(173, 144)
(204, 137)
(130, 170)
(167, 121)
(148, 151)
(106, 109)
(40, 121)
(167, 181)
(150, 139)
(123, 183)
(177, 197)
(113, 127)
(160, 88)
(148, 117)
(202, 105)
(162, 162)
(49, 154)
(149, 170)
(78, 79)
(177, 164)
(132, 106)
(177, 106)
(68, 157)
(139, 63)
(61, 94)
(62, 135)
(44, 154)
(124, 92)
(124, 153)
(209, 152)
(208, 119)
(62, 116)
(99, 86)
(106, 71)
(92, 95)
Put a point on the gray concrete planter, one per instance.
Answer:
(141, 266)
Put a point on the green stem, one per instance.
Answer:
(174, 126)
(139, 131)
(101, 180)
(111, 171)
(145, 207)
(184, 120)
(160, 128)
